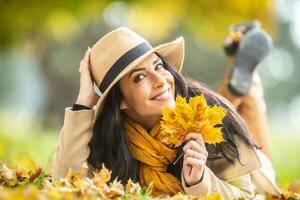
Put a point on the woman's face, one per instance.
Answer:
(147, 89)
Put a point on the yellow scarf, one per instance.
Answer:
(154, 158)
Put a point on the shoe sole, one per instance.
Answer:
(247, 58)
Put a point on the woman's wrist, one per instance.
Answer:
(195, 182)
(85, 102)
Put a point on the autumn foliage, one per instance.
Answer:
(194, 116)
(35, 184)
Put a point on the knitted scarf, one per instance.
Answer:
(154, 158)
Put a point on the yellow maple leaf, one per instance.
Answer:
(195, 116)
(216, 196)
(101, 178)
(115, 190)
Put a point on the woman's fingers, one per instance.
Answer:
(195, 149)
(195, 136)
(84, 63)
(194, 154)
(87, 95)
(193, 145)
(194, 162)
(193, 170)
(195, 142)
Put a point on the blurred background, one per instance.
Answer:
(42, 43)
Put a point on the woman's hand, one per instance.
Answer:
(195, 156)
(87, 95)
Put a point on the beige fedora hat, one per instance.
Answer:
(119, 51)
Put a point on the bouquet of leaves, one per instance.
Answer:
(194, 116)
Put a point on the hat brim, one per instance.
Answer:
(172, 52)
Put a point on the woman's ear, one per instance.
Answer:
(123, 105)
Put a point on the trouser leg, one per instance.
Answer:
(251, 107)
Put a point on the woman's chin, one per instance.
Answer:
(159, 106)
(168, 104)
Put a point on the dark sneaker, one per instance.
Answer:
(253, 47)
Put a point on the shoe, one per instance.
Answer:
(236, 32)
(253, 46)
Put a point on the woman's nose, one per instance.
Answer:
(158, 80)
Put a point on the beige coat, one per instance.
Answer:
(254, 176)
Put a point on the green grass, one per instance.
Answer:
(285, 151)
(23, 149)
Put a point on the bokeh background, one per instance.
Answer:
(42, 43)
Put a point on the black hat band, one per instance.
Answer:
(122, 63)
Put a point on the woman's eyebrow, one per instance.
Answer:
(135, 70)
(157, 60)
(140, 69)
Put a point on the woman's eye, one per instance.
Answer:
(159, 66)
(138, 77)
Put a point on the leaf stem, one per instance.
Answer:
(174, 163)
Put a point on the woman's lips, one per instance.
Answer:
(165, 95)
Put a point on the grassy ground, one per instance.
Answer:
(22, 150)
(285, 150)
(19, 149)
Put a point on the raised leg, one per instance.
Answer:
(251, 107)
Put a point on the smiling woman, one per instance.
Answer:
(137, 82)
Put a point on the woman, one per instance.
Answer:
(137, 82)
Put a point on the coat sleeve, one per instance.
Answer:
(72, 150)
(239, 187)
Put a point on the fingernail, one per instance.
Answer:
(89, 48)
